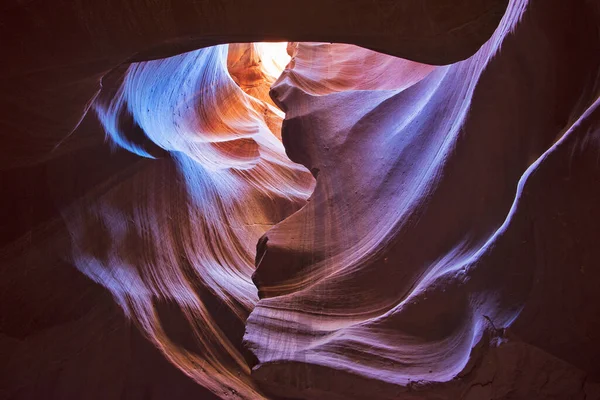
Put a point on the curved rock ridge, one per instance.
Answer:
(323, 68)
(173, 239)
(255, 68)
(421, 244)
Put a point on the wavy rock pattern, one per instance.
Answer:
(417, 248)
(443, 247)
(178, 254)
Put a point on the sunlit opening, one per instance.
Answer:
(274, 57)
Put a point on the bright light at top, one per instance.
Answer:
(274, 57)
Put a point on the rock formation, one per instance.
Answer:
(414, 223)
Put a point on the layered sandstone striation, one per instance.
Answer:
(428, 248)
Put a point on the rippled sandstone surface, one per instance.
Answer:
(362, 226)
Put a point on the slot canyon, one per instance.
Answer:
(334, 199)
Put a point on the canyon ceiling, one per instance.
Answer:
(401, 202)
